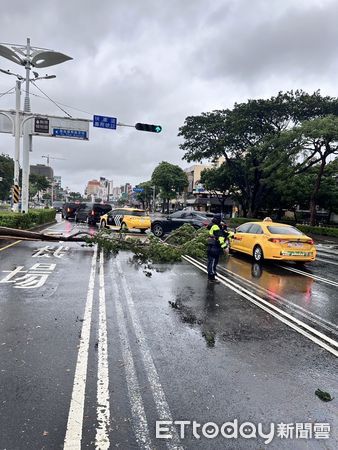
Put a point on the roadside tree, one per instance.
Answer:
(219, 182)
(6, 173)
(315, 142)
(171, 180)
(146, 196)
(37, 184)
(250, 133)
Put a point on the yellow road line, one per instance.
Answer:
(9, 245)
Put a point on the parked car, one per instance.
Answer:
(91, 212)
(58, 206)
(274, 241)
(126, 219)
(195, 218)
(69, 209)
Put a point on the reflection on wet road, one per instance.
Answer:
(310, 289)
(297, 296)
(106, 347)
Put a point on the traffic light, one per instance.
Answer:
(148, 127)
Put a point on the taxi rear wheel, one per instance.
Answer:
(258, 254)
(103, 224)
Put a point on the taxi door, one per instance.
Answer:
(241, 238)
(254, 234)
(114, 218)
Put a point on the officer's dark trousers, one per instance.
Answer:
(213, 257)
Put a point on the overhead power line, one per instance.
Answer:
(63, 104)
(7, 92)
(56, 104)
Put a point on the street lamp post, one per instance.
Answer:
(28, 57)
(17, 141)
(27, 138)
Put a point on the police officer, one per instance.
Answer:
(216, 245)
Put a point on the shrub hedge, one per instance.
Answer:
(307, 229)
(322, 231)
(33, 218)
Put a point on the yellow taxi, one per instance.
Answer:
(126, 219)
(273, 241)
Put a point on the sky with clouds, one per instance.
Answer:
(159, 62)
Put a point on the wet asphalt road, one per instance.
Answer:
(109, 347)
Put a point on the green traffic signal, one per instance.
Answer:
(148, 127)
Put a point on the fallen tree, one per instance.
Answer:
(183, 241)
(14, 233)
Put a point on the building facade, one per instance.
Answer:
(42, 170)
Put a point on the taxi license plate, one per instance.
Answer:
(296, 253)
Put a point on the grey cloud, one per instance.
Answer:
(158, 62)
(300, 42)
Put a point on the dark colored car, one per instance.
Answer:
(195, 218)
(58, 206)
(69, 209)
(91, 212)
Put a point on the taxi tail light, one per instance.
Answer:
(311, 242)
(277, 240)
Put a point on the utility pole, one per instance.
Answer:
(48, 158)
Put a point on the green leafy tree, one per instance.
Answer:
(73, 196)
(328, 194)
(315, 142)
(249, 133)
(171, 180)
(219, 181)
(146, 196)
(6, 173)
(37, 184)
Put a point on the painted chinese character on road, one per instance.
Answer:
(49, 251)
(32, 278)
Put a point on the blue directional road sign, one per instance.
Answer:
(105, 122)
(77, 134)
(138, 189)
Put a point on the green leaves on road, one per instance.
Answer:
(183, 241)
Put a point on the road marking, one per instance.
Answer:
(310, 275)
(9, 245)
(269, 308)
(53, 226)
(140, 423)
(151, 372)
(75, 417)
(327, 261)
(102, 409)
(302, 311)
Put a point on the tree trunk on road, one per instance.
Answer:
(13, 233)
